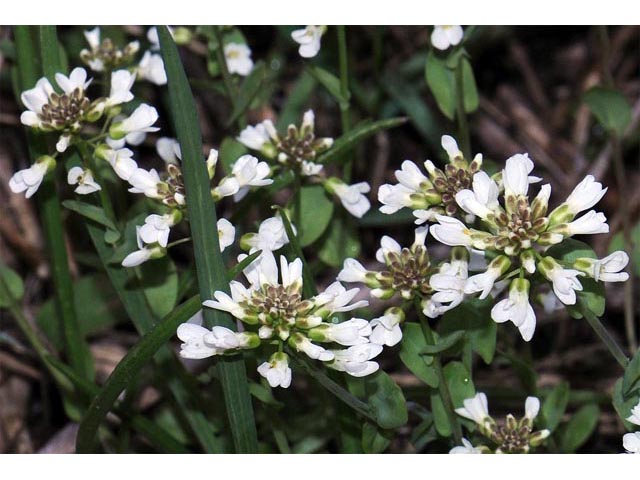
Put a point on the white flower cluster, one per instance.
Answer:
(512, 436)
(517, 232)
(631, 441)
(298, 151)
(273, 311)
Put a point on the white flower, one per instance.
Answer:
(635, 415)
(466, 447)
(223, 338)
(449, 284)
(386, 329)
(476, 408)
(63, 142)
(277, 370)
(238, 58)
(451, 231)
(121, 83)
(451, 147)
(516, 174)
(143, 253)
(231, 303)
(145, 181)
(352, 332)
(316, 352)
(352, 271)
(84, 179)
(531, 407)
(169, 150)
(483, 282)
(309, 40)
(607, 269)
(271, 236)
(565, 281)
(394, 197)
(93, 39)
(355, 360)
(194, 346)
(122, 162)
(631, 442)
(590, 223)
(226, 233)
(156, 229)
(255, 137)
(247, 171)
(445, 36)
(29, 179)
(263, 270)
(151, 68)
(585, 195)
(77, 79)
(34, 100)
(517, 309)
(336, 298)
(351, 196)
(140, 121)
(309, 169)
(483, 199)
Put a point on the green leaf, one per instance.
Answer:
(14, 285)
(440, 417)
(308, 284)
(386, 401)
(93, 290)
(592, 295)
(340, 242)
(264, 394)
(444, 343)
(473, 316)
(329, 81)
(624, 402)
(554, 405)
(128, 369)
(316, 209)
(610, 107)
(91, 212)
(459, 381)
(580, 428)
(248, 91)
(441, 81)
(440, 76)
(375, 440)
(356, 135)
(631, 377)
(202, 221)
(296, 100)
(411, 348)
(160, 282)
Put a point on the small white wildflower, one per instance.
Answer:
(84, 179)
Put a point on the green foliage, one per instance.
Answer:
(230, 151)
(248, 91)
(375, 440)
(460, 386)
(159, 279)
(340, 241)
(413, 344)
(610, 107)
(440, 76)
(554, 406)
(386, 401)
(578, 430)
(14, 284)
(329, 81)
(473, 317)
(316, 210)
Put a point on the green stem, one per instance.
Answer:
(443, 388)
(604, 335)
(461, 115)
(226, 76)
(345, 104)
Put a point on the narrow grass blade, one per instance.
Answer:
(209, 263)
(128, 368)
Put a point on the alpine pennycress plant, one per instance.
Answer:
(506, 250)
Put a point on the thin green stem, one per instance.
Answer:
(345, 104)
(443, 388)
(604, 335)
(229, 86)
(461, 114)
